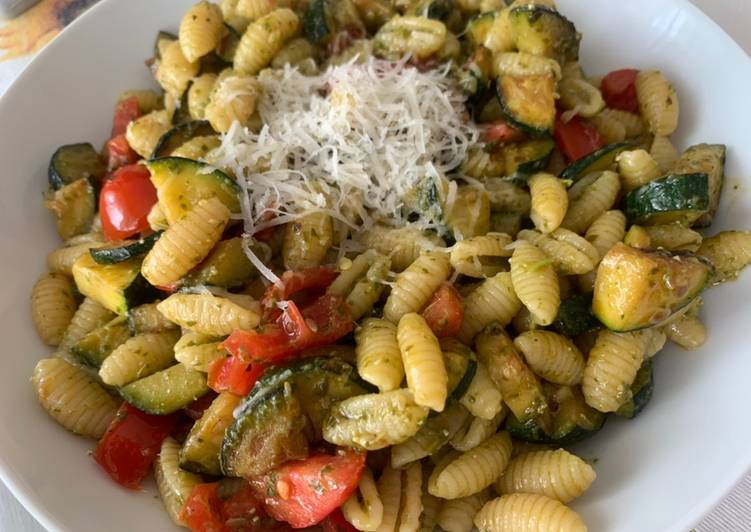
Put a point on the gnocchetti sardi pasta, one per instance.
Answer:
(374, 264)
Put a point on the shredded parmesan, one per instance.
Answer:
(351, 142)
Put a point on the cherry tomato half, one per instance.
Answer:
(126, 111)
(445, 311)
(576, 138)
(619, 90)
(125, 202)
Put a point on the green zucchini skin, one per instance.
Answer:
(284, 410)
(181, 114)
(435, 9)
(128, 250)
(117, 287)
(575, 316)
(572, 422)
(268, 432)
(641, 389)
(526, 158)
(166, 391)
(72, 162)
(542, 30)
(531, 118)
(97, 345)
(458, 391)
(638, 288)
(181, 183)
(315, 22)
(162, 36)
(227, 266)
(74, 206)
(677, 198)
(323, 366)
(200, 452)
(708, 159)
(478, 27)
(179, 135)
(597, 161)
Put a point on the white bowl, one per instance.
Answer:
(659, 472)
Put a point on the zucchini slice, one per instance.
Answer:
(97, 345)
(308, 378)
(284, 409)
(570, 419)
(676, 198)
(523, 159)
(122, 251)
(542, 30)
(475, 74)
(707, 159)
(506, 222)
(528, 101)
(163, 38)
(460, 370)
(72, 162)
(597, 161)
(435, 9)
(200, 453)
(180, 112)
(227, 266)
(641, 391)
(74, 207)
(316, 22)
(166, 391)
(435, 432)
(479, 26)
(179, 135)
(573, 420)
(180, 184)
(520, 388)
(268, 431)
(575, 316)
(637, 288)
(117, 287)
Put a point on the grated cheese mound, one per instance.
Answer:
(352, 142)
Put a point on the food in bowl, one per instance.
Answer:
(374, 276)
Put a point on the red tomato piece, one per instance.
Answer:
(125, 202)
(131, 443)
(202, 511)
(126, 111)
(445, 311)
(320, 323)
(619, 90)
(292, 282)
(335, 522)
(303, 492)
(271, 345)
(119, 153)
(501, 132)
(229, 506)
(196, 409)
(231, 374)
(576, 138)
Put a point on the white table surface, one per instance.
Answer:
(732, 515)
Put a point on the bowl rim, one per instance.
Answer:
(36, 507)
